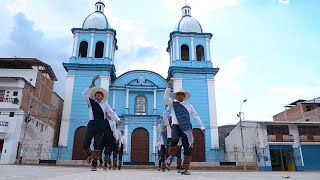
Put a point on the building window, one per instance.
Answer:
(99, 49)
(277, 129)
(11, 114)
(2, 92)
(185, 53)
(83, 49)
(200, 53)
(15, 93)
(141, 104)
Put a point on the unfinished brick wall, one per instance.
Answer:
(298, 113)
(41, 99)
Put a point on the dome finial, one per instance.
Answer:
(186, 9)
(100, 6)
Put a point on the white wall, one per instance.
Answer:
(12, 138)
(37, 142)
(30, 75)
(233, 143)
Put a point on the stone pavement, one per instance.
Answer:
(15, 172)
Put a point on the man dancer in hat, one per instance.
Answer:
(181, 125)
(98, 107)
(122, 145)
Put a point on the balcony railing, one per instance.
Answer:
(12, 100)
(4, 127)
(280, 138)
(309, 138)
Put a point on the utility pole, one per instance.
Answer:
(241, 134)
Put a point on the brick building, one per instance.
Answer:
(30, 111)
(300, 110)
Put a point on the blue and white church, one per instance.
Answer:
(137, 96)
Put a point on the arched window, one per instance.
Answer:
(83, 49)
(200, 53)
(185, 53)
(141, 105)
(99, 50)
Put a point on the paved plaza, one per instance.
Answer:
(79, 173)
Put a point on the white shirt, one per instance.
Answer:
(104, 106)
(166, 122)
(188, 106)
(114, 129)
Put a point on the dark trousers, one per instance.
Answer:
(178, 155)
(177, 133)
(120, 153)
(93, 131)
(163, 152)
(111, 149)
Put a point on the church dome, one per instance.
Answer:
(188, 23)
(97, 19)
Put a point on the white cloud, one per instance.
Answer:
(289, 90)
(229, 72)
(286, 2)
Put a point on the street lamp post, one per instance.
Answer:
(241, 132)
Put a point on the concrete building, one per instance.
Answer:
(300, 110)
(30, 112)
(277, 146)
(137, 96)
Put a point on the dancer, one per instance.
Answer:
(98, 107)
(181, 125)
(110, 143)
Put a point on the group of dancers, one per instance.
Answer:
(104, 128)
(175, 133)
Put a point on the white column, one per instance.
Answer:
(106, 54)
(213, 114)
(177, 84)
(154, 99)
(126, 131)
(63, 139)
(127, 98)
(171, 57)
(105, 82)
(91, 45)
(154, 142)
(75, 44)
(192, 49)
(113, 51)
(114, 100)
(177, 48)
(208, 58)
(293, 130)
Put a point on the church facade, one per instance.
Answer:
(137, 96)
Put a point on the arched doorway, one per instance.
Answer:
(77, 151)
(198, 151)
(140, 146)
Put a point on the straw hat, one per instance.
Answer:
(187, 94)
(99, 89)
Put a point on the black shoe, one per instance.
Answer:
(168, 169)
(94, 168)
(163, 170)
(185, 172)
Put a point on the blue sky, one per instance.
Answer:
(267, 50)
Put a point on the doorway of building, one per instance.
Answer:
(198, 151)
(77, 150)
(282, 159)
(1, 146)
(140, 146)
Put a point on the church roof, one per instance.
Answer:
(96, 20)
(187, 23)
